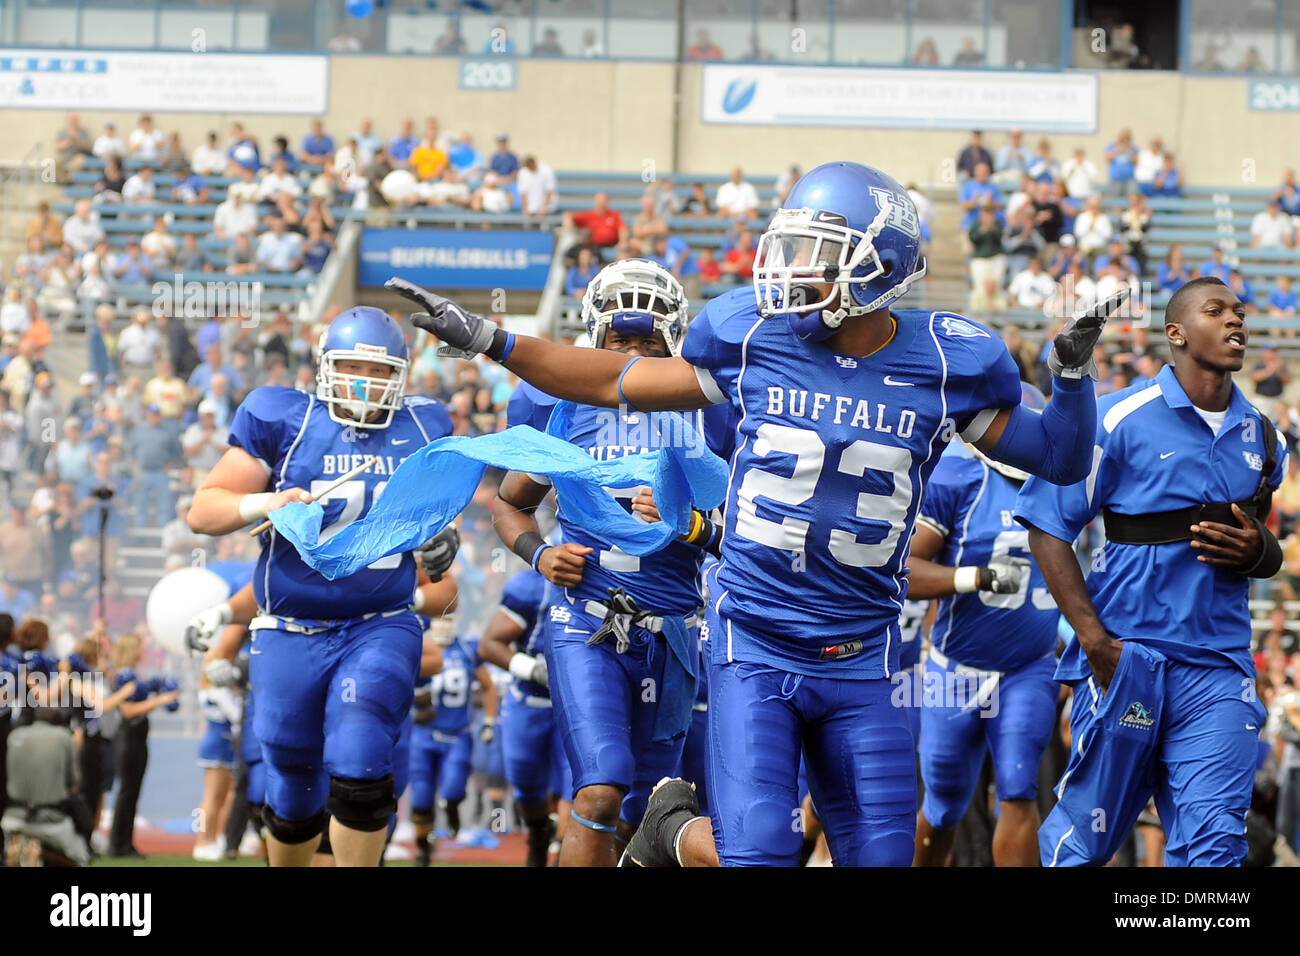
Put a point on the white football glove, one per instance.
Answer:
(527, 667)
(203, 627)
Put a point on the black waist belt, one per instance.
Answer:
(1165, 527)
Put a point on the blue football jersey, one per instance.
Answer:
(452, 687)
(525, 599)
(909, 632)
(291, 433)
(667, 581)
(833, 453)
(1154, 453)
(529, 405)
(972, 507)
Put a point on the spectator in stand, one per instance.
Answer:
(427, 160)
(172, 159)
(208, 159)
(243, 152)
(972, 154)
(1012, 160)
(710, 268)
(698, 203)
(450, 42)
(1121, 161)
(82, 405)
(704, 48)
(580, 273)
(134, 267)
(154, 447)
(15, 316)
(1048, 216)
(1271, 229)
(1244, 291)
(29, 266)
(190, 257)
(1134, 222)
(167, 390)
(1149, 162)
(1270, 374)
(1115, 253)
(41, 415)
(109, 143)
(280, 150)
(71, 457)
(987, 257)
(491, 196)
(316, 247)
(279, 250)
(189, 189)
(72, 144)
(987, 297)
(204, 443)
(1079, 175)
(241, 258)
(1288, 194)
(401, 146)
(1216, 265)
(466, 160)
(140, 188)
(236, 216)
(1168, 180)
(976, 192)
(739, 261)
(278, 182)
(736, 198)
(648, 224)
(926, 53)
(1282, 302)
(667, 202)
(1092, 228)
(605, 225)
(537, 188)
(82, 230)
(317, 144)
(499, 42)
(504, 162)
(968, 55)
(549, 45)
(111, 182)
(45, 226)
(220, 395)
(1173, 272)
(785, 182)
(1070, 207)
(158, 244)
(368, 142)
(145, 142)
(1043, 168)
(201, 378)
(1031, 288)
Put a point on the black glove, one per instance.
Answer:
(1002, 575)
(464, 334)
(439, 552)
(1072, 348)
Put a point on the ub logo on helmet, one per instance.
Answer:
(362, 334)
(847, 242)
(635, 297)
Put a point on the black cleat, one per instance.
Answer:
(672, 805)
(424, 851)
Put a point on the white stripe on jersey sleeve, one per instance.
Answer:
(979, 425)
(708, 386)
(933, 525)
(515, 617)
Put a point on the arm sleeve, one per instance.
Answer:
(258, 425)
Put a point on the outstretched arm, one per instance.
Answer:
(588, 376)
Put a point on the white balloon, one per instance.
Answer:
(177, 598)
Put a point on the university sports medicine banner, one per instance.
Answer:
(163, 82)
(457, 258)
(902, 98)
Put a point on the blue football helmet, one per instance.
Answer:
(847, 225)
(362, 334)
(635, 297)
(1031, 398)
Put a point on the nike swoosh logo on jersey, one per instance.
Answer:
(1167, 454)
(891, 381)
(400, 441)
(576, 630)
(1251, 727)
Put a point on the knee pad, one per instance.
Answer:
(292, 832)
(774, 828)
(365, 805)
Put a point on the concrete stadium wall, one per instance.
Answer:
(617, 115)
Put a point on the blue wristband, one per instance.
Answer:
(621, 397)
(509, 347)
(537, 555)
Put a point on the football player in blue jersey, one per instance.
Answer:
(1164, 685)
(989, 685)
(441, 742)
(843, 407)
(620, 625)
(536, 766)
(334, 662)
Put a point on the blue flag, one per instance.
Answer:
(436, 483)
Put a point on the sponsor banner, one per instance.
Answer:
(163, 82)
(457, 258)
(902, 98)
